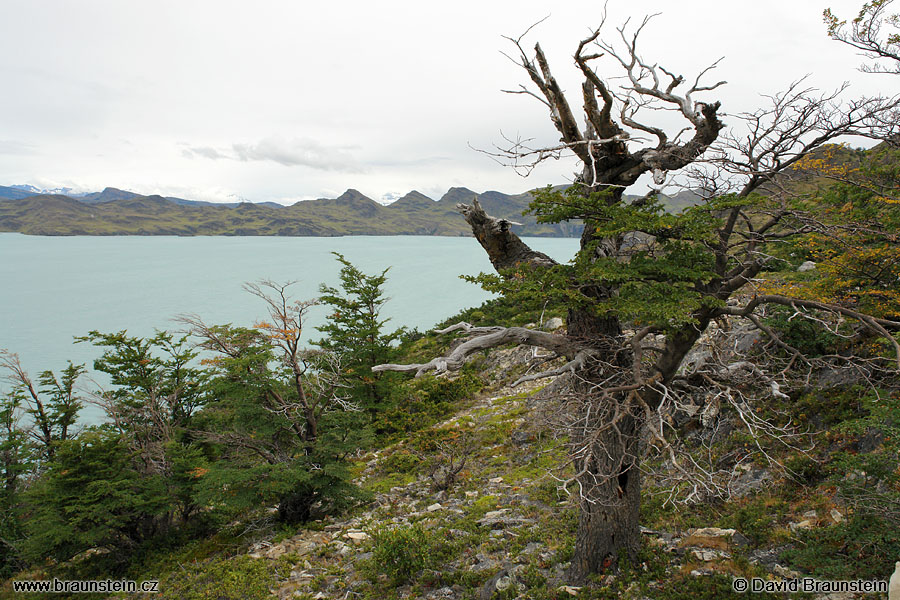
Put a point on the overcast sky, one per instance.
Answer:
(289, 100)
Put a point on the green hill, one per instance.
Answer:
(114, 212)
(118, 212)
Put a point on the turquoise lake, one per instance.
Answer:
(56, 288)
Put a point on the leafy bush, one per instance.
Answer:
(240, 578)
(862, 547)
(92, 496)
(756, 519)
(400, 553)
(427, 400)
(400, 462)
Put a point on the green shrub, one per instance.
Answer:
(240, 578)
(756, 520)
(400, 462)
(862, 547)
(809, 337)
(400, 553)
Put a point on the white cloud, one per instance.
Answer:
(295, 152)
(202, 152)
(298, 152)
(15, 147)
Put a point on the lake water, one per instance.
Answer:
(56, 288)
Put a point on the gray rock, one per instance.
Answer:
(498, 582)
(871, 440)
(553, 324)
(807, 266)
(750, 482)
(520, 438)
(743, 339)
(493, 520)
(532, 547)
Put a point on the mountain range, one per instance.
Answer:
(119, 212)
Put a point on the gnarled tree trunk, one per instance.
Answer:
(606, 458)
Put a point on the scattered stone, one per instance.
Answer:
(786, 573)
(806, 524)
(807, 266)
(740, 540)
(894, 583)
(445, 593)
(768, 557)
(471, 494)
(531, 548)
(553, 324)
(836, 515)
(520, 438)
(485, 565)
(498, 582)
(750, 482)
(712, 532)
(357, 536)
(495, 480)
(434, 507)
(707, 555)
(570, 590)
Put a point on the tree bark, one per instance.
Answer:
(503, 247)
(609, 478)
(609, 506)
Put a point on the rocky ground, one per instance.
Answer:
(504, 529)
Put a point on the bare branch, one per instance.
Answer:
(504, 248)
(485, 338)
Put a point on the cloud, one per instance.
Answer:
(424, 161)
(203, 152)
(14, 147)
(298, 152)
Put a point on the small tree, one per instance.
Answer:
(34, 422)
(355, 331)
(17, 458)
(53, 407)
(155, 392)
(274, 414)
(92, 496)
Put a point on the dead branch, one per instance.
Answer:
(504, 248)
(490, 337)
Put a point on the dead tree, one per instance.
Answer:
(620, 375)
